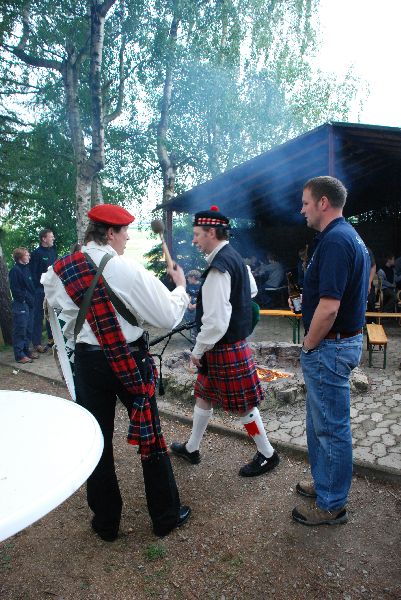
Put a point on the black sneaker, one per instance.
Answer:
(259, 465)
(183, 516)
(181, 450)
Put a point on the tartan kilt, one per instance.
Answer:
(231, 380)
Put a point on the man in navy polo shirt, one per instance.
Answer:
(333, 307)
(42, 258)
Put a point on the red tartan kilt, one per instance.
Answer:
(231, 380)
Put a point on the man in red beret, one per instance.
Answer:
(226, 371)
(112, 359)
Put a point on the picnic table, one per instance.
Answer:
(296, 319)
(293, 318)
(383, 315)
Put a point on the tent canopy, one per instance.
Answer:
(367, 159)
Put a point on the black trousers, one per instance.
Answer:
(97, 389)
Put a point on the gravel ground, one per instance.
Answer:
(240, 542)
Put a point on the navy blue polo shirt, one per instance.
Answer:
(41, 258)
(339, 268)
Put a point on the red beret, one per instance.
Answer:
(110, 214)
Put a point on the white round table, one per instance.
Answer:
(48, 448)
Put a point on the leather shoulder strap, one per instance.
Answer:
(115, 300)
(85, 304)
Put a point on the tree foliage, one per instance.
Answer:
(240, 81)
(35, 195)
(181, 91)
(78, 78)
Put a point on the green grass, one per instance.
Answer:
(154, 551)
(6, 556)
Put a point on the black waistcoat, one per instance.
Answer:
(240, 326)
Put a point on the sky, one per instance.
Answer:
(365, 34)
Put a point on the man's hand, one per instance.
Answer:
(322, 321)
(195, 361)
(177, 275)
(290, 304)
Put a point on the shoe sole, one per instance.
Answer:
(303, 492)
(337, 521)
(189, 460)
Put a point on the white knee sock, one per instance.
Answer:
(200, 421)
(253, 423)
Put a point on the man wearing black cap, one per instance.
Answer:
(227, 374)
(112, 359)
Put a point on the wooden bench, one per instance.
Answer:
(376, 336)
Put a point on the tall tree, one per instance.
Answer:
(237, 80)
(216, 82)
(67, 42)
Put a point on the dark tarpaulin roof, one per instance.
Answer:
(367, 159)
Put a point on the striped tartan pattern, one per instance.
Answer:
(144, 429)
(231, 380)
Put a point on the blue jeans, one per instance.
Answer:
(326, 371)
(22, 329)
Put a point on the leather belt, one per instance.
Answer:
(332, 335)
(82, 347)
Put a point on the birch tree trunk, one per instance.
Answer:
(83, 184)
(89, 166)
(168, 163)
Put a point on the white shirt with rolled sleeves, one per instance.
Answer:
(217, 309)
(142, 293)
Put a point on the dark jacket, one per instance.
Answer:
(240, 326)
(41, 259)
(21, 284)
